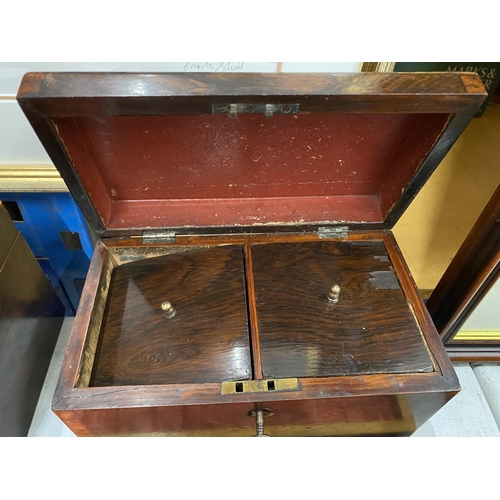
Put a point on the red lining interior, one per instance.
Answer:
(211, 170)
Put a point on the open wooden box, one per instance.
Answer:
(259, 209)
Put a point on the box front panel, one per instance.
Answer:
(186, 420)
(359, 416)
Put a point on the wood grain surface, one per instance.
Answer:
(107, 94)
(356, 416)
(252, 315)
(370, 330)
(180, 420)
(384, 415)
(432, 340)
(206, 341)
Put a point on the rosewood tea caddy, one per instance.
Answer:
(246, 280)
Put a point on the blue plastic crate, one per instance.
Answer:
(57, 233)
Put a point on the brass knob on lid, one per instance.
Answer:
(168, 310)
(333, 294)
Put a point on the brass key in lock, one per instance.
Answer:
(259, 413)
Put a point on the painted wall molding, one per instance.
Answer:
(25, 179)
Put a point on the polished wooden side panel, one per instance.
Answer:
(370, 330)
(391, 415)
(206, 341)
(339, 416)
(385, 415)
(352, 416)
(196, 420)
(95, 398)
(91, 94)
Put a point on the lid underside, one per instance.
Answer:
(173, 171)
(185, 166)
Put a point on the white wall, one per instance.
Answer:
(319, 67)
(486, 316)
(19, 144)
(11, 73)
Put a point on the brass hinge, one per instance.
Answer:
(326, 233)
(267, 109)
(158, 237)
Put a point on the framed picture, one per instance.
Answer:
(462, 305)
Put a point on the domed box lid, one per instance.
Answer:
(222, 153)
